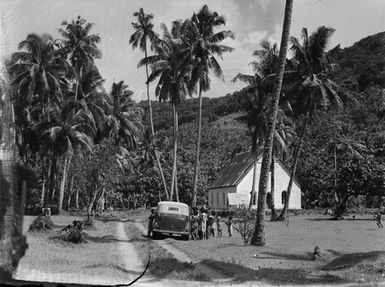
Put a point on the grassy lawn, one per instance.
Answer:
(353, 250)
(98, 257)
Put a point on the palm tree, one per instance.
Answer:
(259, 233)
(124, 119)
(70, 126)
(172, 64)
(144, 31)
(79, 46)
(313, 89)
(256, 98)
(204, 41)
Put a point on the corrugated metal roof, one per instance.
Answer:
(235, 170)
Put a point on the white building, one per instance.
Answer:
(237, 177)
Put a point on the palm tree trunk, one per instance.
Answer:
(272, 188)
(12, 242)
(174, 154)
(197, 151)
(77, 198)
(153, 132)
(253, 192)
(259, 233)
(44, 181)
(67, 162)
(297, 153)
(52, 178)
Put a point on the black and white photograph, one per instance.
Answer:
(192, 143)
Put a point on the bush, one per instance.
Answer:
(41, 223)
(73, 233)
(245, 223)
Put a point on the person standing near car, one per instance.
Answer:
(151, 219)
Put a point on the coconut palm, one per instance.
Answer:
(172, 64)
(79, 46)
(312, 90)
(200, 32)
(256, 98)
(143, 33)
(124, 119)
(259, 233)
(70, 126)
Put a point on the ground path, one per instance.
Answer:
(129, 258)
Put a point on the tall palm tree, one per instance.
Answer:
(172, 64)
(124, 118)
(256, 98)
(199, 32)
(259, 233)
(79, 46)
(143, 32)
(313, 89)
(70, 126)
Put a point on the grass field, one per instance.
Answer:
(353, 250)
(98, 257)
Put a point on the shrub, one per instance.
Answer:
(41, 223)
(245, 223)
(73, 233)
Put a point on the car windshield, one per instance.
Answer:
(167, 208)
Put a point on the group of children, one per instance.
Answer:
(203, 225)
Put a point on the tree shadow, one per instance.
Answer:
(349, 260)
(300, 257)
(104, 239)
(275, 276)
(115, 219)
(113, 266)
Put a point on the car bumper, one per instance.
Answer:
(173, 232)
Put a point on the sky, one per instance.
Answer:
(250, 20)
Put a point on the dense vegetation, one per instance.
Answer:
(92, 146)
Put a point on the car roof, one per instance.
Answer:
(172, 203)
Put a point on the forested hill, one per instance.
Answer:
(362, 64)
(213, 108)
(359, 66)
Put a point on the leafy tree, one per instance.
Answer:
(143, 33)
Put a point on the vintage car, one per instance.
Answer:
(172, 218)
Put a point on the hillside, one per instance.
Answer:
(361, 65)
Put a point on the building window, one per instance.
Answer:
(224, 199)
(218, 198)
(284, 196)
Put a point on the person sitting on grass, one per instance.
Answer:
(219, 226)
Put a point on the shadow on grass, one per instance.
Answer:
(342, 220)
(108, 239)
(300, 257)
(113, 266)
(349, 260)
(116, 219)
(275, 276)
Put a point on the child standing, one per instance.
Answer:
(379, 220)
(219, 226)
(230, 225)
(151, 223)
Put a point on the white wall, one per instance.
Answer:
(280, 184)
(219, 194)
